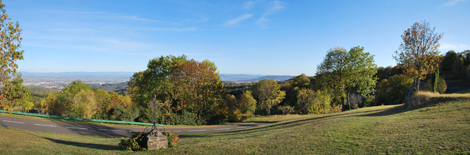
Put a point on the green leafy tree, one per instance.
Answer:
(248, 103)
(9, 53)
(418, 53)
(448, 60)
(393, 90)
(14, 94)
(299, 82)
(332, 72)
(441, 86)
(268, 93)
(458, 67)
(361, 71)
(312, 101)
(342, 71)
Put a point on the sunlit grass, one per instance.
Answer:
(441, 128)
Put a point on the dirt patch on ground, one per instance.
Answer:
(295, 124)
(317, 123)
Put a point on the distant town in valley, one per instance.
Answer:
(59, 80)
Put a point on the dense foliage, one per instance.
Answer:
(419, 52)
(12, 93)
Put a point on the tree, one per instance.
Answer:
(248, 103)
(360, 72)
(9, 53)
(418, 53)
(299, 82)
(14, 94)
(331, 72)
(448, 60)
(393, 90)
(441, 85)
(268, 93)
(342, 71)
(312, 101)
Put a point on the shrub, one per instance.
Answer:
(419, 99)
(136, 142)
(393, 90)
(173, 139)
(441, 86)
(286, 109)
(355, 99)
(185, 118)
(369, 101)
(468, 73)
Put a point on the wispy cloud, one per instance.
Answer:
(453, 2)
(274, 6)
(171, 29)
(139, 19)
(236, 20)
(446, 46)
(248, 4)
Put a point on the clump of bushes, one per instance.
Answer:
(137, 142)
(419, 99)
(441, 86)
(286, 109)
(173, 138)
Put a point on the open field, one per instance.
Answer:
(441, 128)
(273, 118)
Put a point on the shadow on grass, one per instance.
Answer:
(433, 102)
(85, 145)
(276, 125)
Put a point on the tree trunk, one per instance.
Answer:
(349, 101)
(268, 109)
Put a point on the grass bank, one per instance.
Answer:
(441, 128)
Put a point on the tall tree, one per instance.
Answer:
(10, 44)
(361, 71)
(418, 53)
(269, 94)
(331, 73)
(342, 71)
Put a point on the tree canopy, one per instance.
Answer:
(418, 53)
(341, 71)
(11, 91)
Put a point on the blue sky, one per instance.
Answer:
(242, 37)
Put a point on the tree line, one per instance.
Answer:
(192, 93)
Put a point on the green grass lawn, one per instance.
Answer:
(441, 128)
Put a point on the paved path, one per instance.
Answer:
(97, 130)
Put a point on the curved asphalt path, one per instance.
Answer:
(97, 130)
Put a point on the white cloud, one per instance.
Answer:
(236, 20)
(456, 47)
(453, 2)
(248, 4)
(171, 29)
(139, 19)
(274, 7)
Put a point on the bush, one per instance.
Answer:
(468, 73)
(173, 138)
(286, 109)
(419, 99)
(393, 90)
(355, 99)
(185, 118)
(369, 101)
(441, 86)
(137, 142)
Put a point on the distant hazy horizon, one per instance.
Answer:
(268, 37)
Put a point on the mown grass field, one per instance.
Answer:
(249, 120)
(440, 128)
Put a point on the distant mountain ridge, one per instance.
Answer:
(223, 77)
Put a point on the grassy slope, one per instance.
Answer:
(442, 128)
